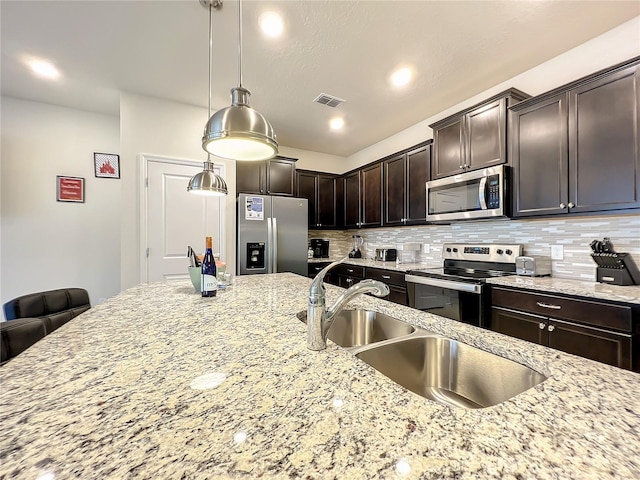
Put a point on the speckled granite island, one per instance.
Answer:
(109, 395)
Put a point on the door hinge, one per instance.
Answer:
(147, 252)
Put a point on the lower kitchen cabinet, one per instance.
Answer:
(346, 275)
(394, 280)
(314, 268)
(604, 332)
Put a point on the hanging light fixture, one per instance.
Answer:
(208, 182)
(239, 132)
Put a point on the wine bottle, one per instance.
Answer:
(209, 284)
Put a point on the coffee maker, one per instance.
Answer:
(357, 244)
(320, 247)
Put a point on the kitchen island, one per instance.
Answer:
(117, 393)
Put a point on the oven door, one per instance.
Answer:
(452, 299)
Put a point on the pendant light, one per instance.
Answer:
(208, 182)
(239, 132)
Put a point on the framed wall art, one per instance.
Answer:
(70, 189)
(107, 165)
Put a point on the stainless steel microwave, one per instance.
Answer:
(469, 196)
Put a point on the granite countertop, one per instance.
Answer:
(581, 288)
(109, 395)
(366, 262)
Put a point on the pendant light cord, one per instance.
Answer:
(239, 43)
(210, 63)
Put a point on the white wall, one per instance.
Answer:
(615, 46)
(48, 244)
(309, 160)
(160, 127)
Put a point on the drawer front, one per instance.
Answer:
(390, 277)
(349, 270)
(314, 268)
(618, 317)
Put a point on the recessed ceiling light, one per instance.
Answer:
(271, 24)
(336, 123)
(43, 68)
(401, 77)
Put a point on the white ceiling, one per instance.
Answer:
(343, 48)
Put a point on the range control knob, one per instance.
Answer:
(499, 251)
(508, 252)
(448, 249)
(455, 249)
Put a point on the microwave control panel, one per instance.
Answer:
(493, 190)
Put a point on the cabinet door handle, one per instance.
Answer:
(543, 326)
(562, 205)
(551, 328)
(349, 280)
(349, 270)
(386, 277)
(548, 305)
(571, 205)
(462, 166)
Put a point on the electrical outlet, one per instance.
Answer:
(426, 248)
(557, 252)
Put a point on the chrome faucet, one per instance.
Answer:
(319, 319)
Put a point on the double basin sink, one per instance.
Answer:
(438, 368)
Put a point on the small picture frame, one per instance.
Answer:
(70, 189)
(107, 165)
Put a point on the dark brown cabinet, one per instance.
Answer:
(371, 202)
(599, 331)
(314, 268)
(346, 275)
(394, 280)
(270, 177)
(474, 138)
(362, 197)
(351, 199)
(576, 149)
(320, 191)
(405, 176)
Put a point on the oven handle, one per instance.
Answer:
(436, 282)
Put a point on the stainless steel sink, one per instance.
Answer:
(354, 328)
(450, 372)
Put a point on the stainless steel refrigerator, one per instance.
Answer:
(272, 234)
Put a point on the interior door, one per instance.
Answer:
(176, 219)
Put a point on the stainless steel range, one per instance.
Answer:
(458, 289)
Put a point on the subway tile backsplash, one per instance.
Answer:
(535, 235)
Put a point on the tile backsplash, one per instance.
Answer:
(537, 236)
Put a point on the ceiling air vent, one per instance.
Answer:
(328, 100)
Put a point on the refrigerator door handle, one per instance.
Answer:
(269, 249)
(275, 245)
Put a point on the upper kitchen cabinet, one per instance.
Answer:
(269, 177)
(405, 176)
(363, 197)
(576, 149)
(351, 199)
(371, 200)
(474, 138)
(320, 190)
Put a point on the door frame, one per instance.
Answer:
(143, 213)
